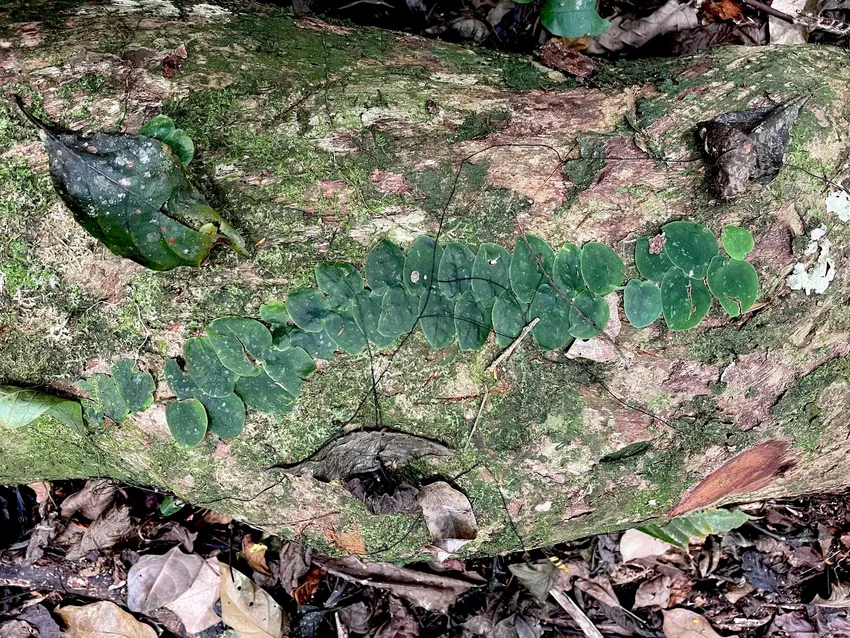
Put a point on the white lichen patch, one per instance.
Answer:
(814, 277)
(157, 7)
(205, 10)
(838, 204)
(458, 79)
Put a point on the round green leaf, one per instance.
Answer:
(653, 267)
(104, 391)
(180, 383)
(641, 302)
(308, 309)
(187, 421)
(491, 273)
(264, 394)
(384, 266)
(601, 268)
(316, 344)
(205, 368)
(734, 283)
(567, 274)
(510, 316)
(289, 368)
(737, 242)
(684, 301)
(526, 275)
(135, 386)
(455, 274)
(344, 332)
(274, 312)
(553, 329)
(159, 127)
(239, 342)
(367, 314)
(472, 321)
(399, 312)
(181, 145)
(690, 247)
(421, 264)
(572, 18)
(588, 316)
(339, 281)
(436, 318)
(226, 415)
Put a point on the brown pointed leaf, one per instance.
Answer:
(91, 501)
(248, 609)
(156, 580)
(102, 619)
(682, 623)
(448, 515)
(195, 606)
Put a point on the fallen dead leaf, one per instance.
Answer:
(91, 501)
(248, 609)
(538, 577)
(102, 619)
(214, 518)
(292, 563)
(103, 533)
(306, 589)
(839, 597)
(156, 580)
(255, 554)
(653, 593)
(599, 588)
(448, 516)
(635, 544)
(682, 623)
(195, 607)
(42, 491)
(16, 629)
(40, 618)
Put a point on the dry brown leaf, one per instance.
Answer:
(653, 593)
(600, 588)
(304, 592)
(630, 32)
(448, 515)
(103, 533)
(682, 623)
(102, 619)
(635, 544)
(723, 10)
(42, 491)
(214, 518)
(248, 609)
(839, 597)
(292, 563)
(255, 554)
(91, 501)
(195, 606)
(16, 629)
(156, 580)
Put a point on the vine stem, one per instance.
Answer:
(506, 354)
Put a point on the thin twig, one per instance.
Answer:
(506, 354)
(587, 627)
(477, 417)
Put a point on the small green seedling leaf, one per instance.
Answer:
(510, 316)
(652, 266)
(737, 242)
(289, 368)
(690, 247)
(472, 321)
(384, 266)
(641, 302)
(367, 315)
(399, 311)
(308, 309)
(339, 281)
(20, 407)
(589, 316)
(187, 421)
(170, 506)
(553, 310)
(684, 301)
(422, 263)
(436, 318)
(601, 268)
(263, 394)
(274, 312)
(455, 273)
(530, 254)
(162, 128)
(734, 283)
(695, 527)
(344, 331)
(239, 343)
(491, 273)
(572, 18)
(316, 344)
(159, 127)
(567, 273)
(205, 368)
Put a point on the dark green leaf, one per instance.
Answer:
(399, 312)
(170, 506)
(567, 273)
(491, 273)
(136, 386)
(107, 397)
(263, 394)
(20, 406)
(384, 266)
(601, 268)
(685, 301)
(132, 194)
(187, 421)
(734, 283)
(289, 368)
(344, 332)
(308, 309)
(526, 274)
(653, 267)
(588, 315)
(553, 329)
(274, 312)
(158, 127)
(226, 414)
(737, 242)
(367, 315)
(472, 321)
(572, 18)
(421, 264)
(180, 383)
(695, 527)
(436, 318)
(316, 344)
(510, 316)
(239, 343)
(642, 302)
(455, 274)
(341, 282)
(206, 370)
(690, 247)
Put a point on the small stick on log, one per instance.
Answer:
(575, 612)
(510, 349)
(477, 417)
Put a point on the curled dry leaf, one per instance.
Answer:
(653, 593)
(635, 544)
(448, 515)
(104, 532)
(255, 554)
(102, 619)
(91, 501)
(629, 32)
(248, 609)
(195, 607)
(16, 629)
(682, 623)
(156, 580)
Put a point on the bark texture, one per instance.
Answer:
(316, 139)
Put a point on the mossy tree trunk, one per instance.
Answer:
(316, 139)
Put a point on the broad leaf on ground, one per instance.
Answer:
(100, 619)
(531, 267)
(247, 608)
(20, 407)
(196, 606)
(683, 623)
(159, 579)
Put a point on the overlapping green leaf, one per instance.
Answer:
(289, 368)
(384, 266)
(641, 302)
(162, 128)
(239, 343)
(491, 273)
(734, 283)
(455, 273)
(601, 268)
(367, 315)
(697, 526)
(399, 311)
(264, 394)
(316, 344)
(510, 316)
(127, 391)
(532, 265)
(436, 318)
(472, 321)
(589, 315)
(652, 266)
(737, 242)
(690, 247)
(274, 312)
(421, 264)
(567, 271)
(339, 281)
(553, 311)
(205, 368)
(308, 309)
(187, 421)
(684, 301)
(344, 331)
(573, 18)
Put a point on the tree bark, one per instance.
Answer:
(315, 139)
